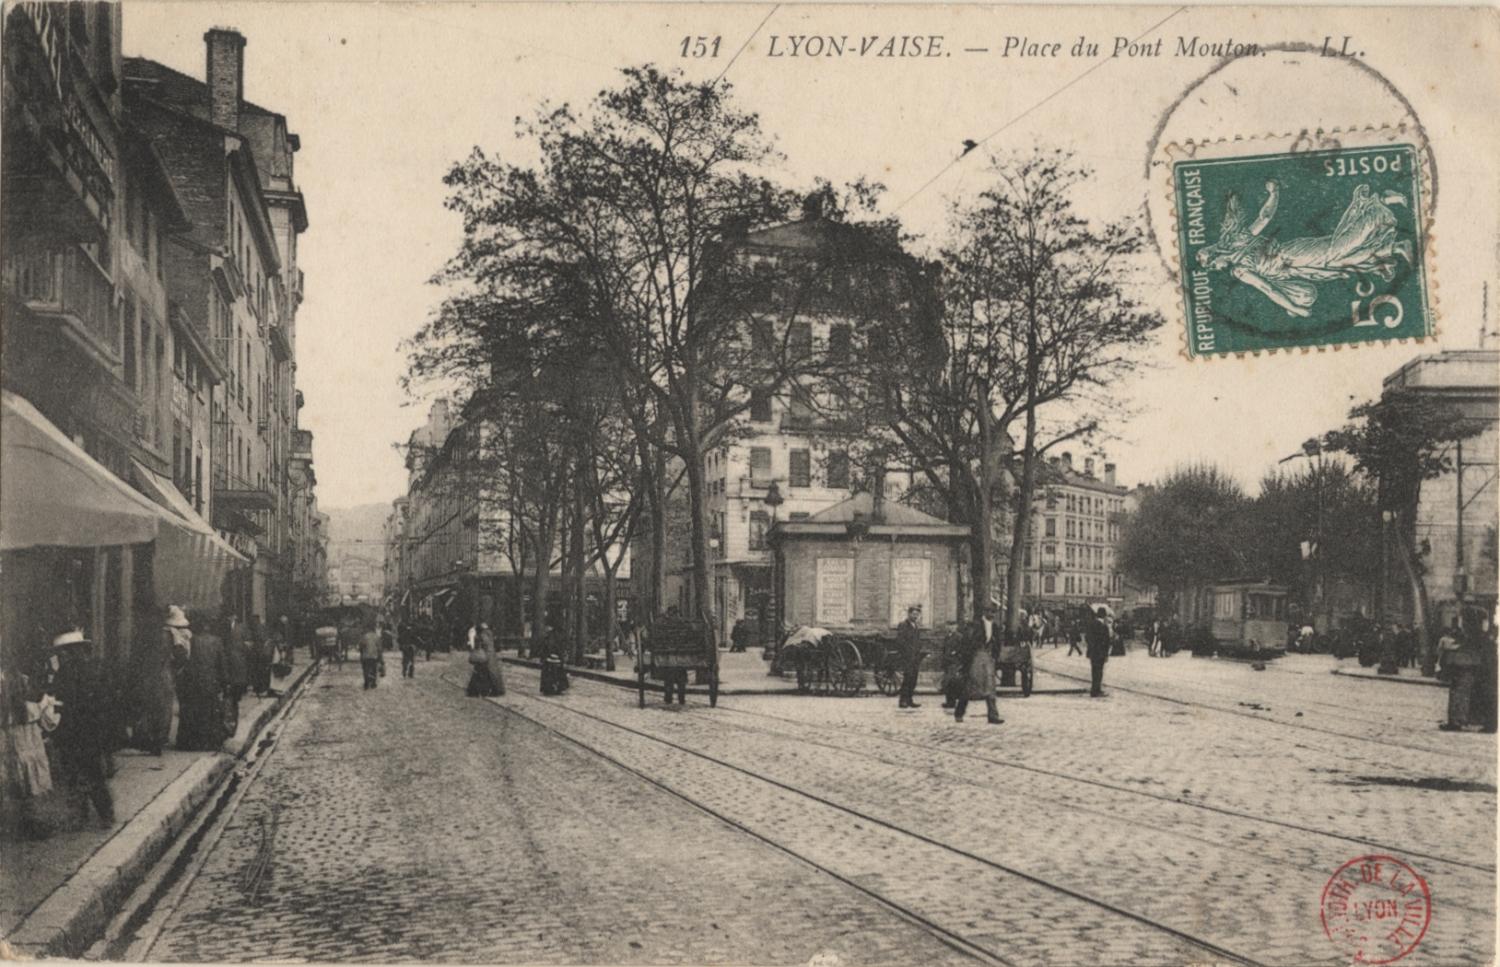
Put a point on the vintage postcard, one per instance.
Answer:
(775, 483)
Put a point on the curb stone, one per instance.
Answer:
(78, 911)
(1397, 679)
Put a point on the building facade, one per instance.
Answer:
(1454, 524)
(236, 285)
(1071, 549)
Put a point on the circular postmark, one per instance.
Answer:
(1376, 908)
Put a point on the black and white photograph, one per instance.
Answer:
(821, 484)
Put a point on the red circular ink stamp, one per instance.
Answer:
(1376, 908)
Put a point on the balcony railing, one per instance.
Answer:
(69, 286)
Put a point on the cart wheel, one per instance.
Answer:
(888, 679)
(1027, 676)
(854, 681)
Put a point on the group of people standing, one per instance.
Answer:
(65, 716)
(971, 655)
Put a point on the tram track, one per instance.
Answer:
(1374, 845)
(134, 930)
(1211, 950)
(1187, 703)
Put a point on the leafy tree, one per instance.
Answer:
(1037, 325)
(1401, 441)
(1191, 527)
(1325, 505)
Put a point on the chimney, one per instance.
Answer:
(1088, 466)
(226, 76)
(877, 497)
(1109, 474)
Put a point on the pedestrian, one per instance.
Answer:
(83, 734)
(1485, 689)
(1073, 633)
(909, 641)
(1154, 648)
(157, 685)
(554, 669)
(744, 632)
(202, 680)
(485, 641)
(259, 657)
(428, 635)
(26, 775)
(1461, 663)
(982, 645)
(955, 671)
(407, 635)
(1097, 637)
(369, 655)
(284, 638)
(237, 663)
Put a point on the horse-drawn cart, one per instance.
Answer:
(673, 647)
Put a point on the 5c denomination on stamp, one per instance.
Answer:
(1317, 247)
(1376, 908)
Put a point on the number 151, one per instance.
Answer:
(701, 46)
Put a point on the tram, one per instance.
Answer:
(1249, 619)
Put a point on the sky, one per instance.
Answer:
(385, 97)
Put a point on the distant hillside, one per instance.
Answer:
(357, 531)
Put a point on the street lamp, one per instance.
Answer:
(1312, 449)
(773, 500)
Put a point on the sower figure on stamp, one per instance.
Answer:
(1096, 634)
(909, 637)
(1288, 272)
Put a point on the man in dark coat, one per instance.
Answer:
(237, 665)
(909, 638)
(83, 735)
(1096, 634)
(982, 644)
(202, 679)
(258, 657)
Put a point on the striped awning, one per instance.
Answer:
(191, 559)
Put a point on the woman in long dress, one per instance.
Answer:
(1363, 243)
(158, 685)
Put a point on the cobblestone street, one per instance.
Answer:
(1157, 825)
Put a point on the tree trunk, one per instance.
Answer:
(1024, 497)
(654, 467)
(1421, 604)
(580, 596)
(609, 612)
(546, 533)
(984, 568)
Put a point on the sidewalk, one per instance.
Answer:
(740, 673)
(57, 894)
(1407, 676)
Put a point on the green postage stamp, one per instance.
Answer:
(1301, 249)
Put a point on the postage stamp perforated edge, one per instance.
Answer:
(1294, 142)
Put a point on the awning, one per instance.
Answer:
(52, 493)
(191, 559)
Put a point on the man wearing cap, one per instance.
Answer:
(909, 638)
(82, 736)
